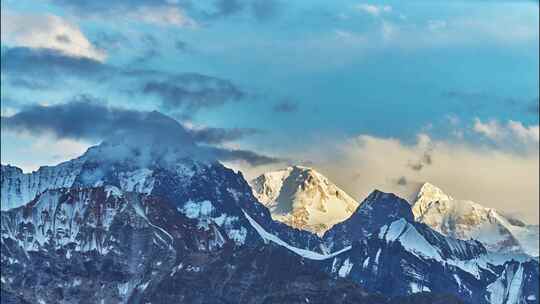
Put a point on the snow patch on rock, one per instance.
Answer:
(345, 268)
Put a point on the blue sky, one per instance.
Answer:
(297, 80)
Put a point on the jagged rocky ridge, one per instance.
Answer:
(171, 228)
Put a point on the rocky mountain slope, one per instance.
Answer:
(467, 220)
(303, 198)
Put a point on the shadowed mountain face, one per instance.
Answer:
(175, 229)
(376, 210)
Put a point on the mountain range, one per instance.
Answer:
(132, 222)
(305, 199)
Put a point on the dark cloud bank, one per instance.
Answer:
(193, 91)
(86, 118)
(182, 92)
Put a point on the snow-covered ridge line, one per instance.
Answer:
(410, 239)
(18, 188)
(266, 236)
(414, 242)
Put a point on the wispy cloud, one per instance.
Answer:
(212, 135)
(45, 67)
(47, 31)
(193, 91)
(286, 106)
(184, 93)
(181, 13)
(162, 16)
(512, 133)
(388, 31)
(373, 9)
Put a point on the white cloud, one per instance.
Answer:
(372, 9)
(513, 24)
(492, 129)
(479, 29)
(526, 134)
(47, 31)
(513, 132)
(162, 16)
(460, 32)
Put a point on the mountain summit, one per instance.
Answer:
(465, 219)
(303, 198)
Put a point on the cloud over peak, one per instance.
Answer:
(86, 118)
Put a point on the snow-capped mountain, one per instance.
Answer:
(468, 220)
(303, 198)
